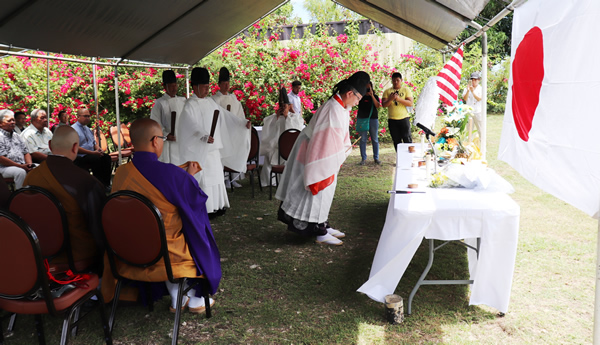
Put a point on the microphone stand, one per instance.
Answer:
(435, 156)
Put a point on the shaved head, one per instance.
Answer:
(143, 133)
(63, 141)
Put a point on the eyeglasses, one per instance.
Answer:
(163, 137)
(356, 94)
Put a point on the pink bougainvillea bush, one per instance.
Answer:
(259, 65)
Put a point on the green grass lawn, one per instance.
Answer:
(278, 288)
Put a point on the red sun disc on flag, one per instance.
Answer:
(528, 73)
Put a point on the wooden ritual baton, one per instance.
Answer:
(214, 123)
(354, 143)
(228, 107)
(173, 116)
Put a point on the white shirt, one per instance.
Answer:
(37, 141)
(472, 101)
(296, 102)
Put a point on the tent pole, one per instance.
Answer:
(187, 82)
(96, 101)
(483, 136)
(117, 110)
(597, 297)
(48, 86)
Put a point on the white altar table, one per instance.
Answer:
(446, 214)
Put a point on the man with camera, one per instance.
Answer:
(15, 160)
(396, 99)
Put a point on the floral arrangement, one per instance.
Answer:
(449, 139)
(438, 180)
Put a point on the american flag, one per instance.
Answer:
(449, 78)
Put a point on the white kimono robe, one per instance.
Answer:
(230, 147)
(317, 155)
(229, 99)
(161, 113)
(269, 143)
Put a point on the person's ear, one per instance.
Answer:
(75, 148)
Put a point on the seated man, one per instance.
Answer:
(273, 126)
(20, 122)
(37, 136)
(63, 120)
(81, 195)
(90, 155)
(182, 204)
(15, 160)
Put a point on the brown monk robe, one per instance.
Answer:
(80, 194)
(129, 178)
(175, 192)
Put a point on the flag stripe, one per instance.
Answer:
(449, 78)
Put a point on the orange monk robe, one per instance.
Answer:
(82, 241)
(129, 178)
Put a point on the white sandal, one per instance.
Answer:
(328, 239)
(335, 233)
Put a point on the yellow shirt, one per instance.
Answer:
(397, 111)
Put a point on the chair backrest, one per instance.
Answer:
(287, 139)
(103, 143)
(20, 258)
(114, 135)
(134, 231)
(46, 216)
(254, 146)
(125, 134)
(4, 193)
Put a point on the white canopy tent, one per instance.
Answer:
(184, 31)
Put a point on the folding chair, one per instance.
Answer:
(135, 236)
(49, 222)
(252, 163)
(4, 192)
(114, 156)
(10, 183)
(287, 139)
(125, 137)
(24, 275)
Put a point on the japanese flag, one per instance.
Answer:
(551, 126)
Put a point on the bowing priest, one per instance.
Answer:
(228, 145)
(230, 102)
(273, 126)
(182, 204)
(308, 182)
(81, 195)
(165, 107)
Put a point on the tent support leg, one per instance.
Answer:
(597, 296)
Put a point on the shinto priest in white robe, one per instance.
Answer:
(230, 147)
(272, 128)
(314, 163)
(161, 113)
(229, 99)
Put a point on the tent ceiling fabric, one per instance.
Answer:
(184, 31)
(180, 31)
(432, 22)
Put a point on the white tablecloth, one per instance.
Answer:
(446, 214)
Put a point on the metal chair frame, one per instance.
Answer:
(164, 255)
(71, 319)
(253, 156)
